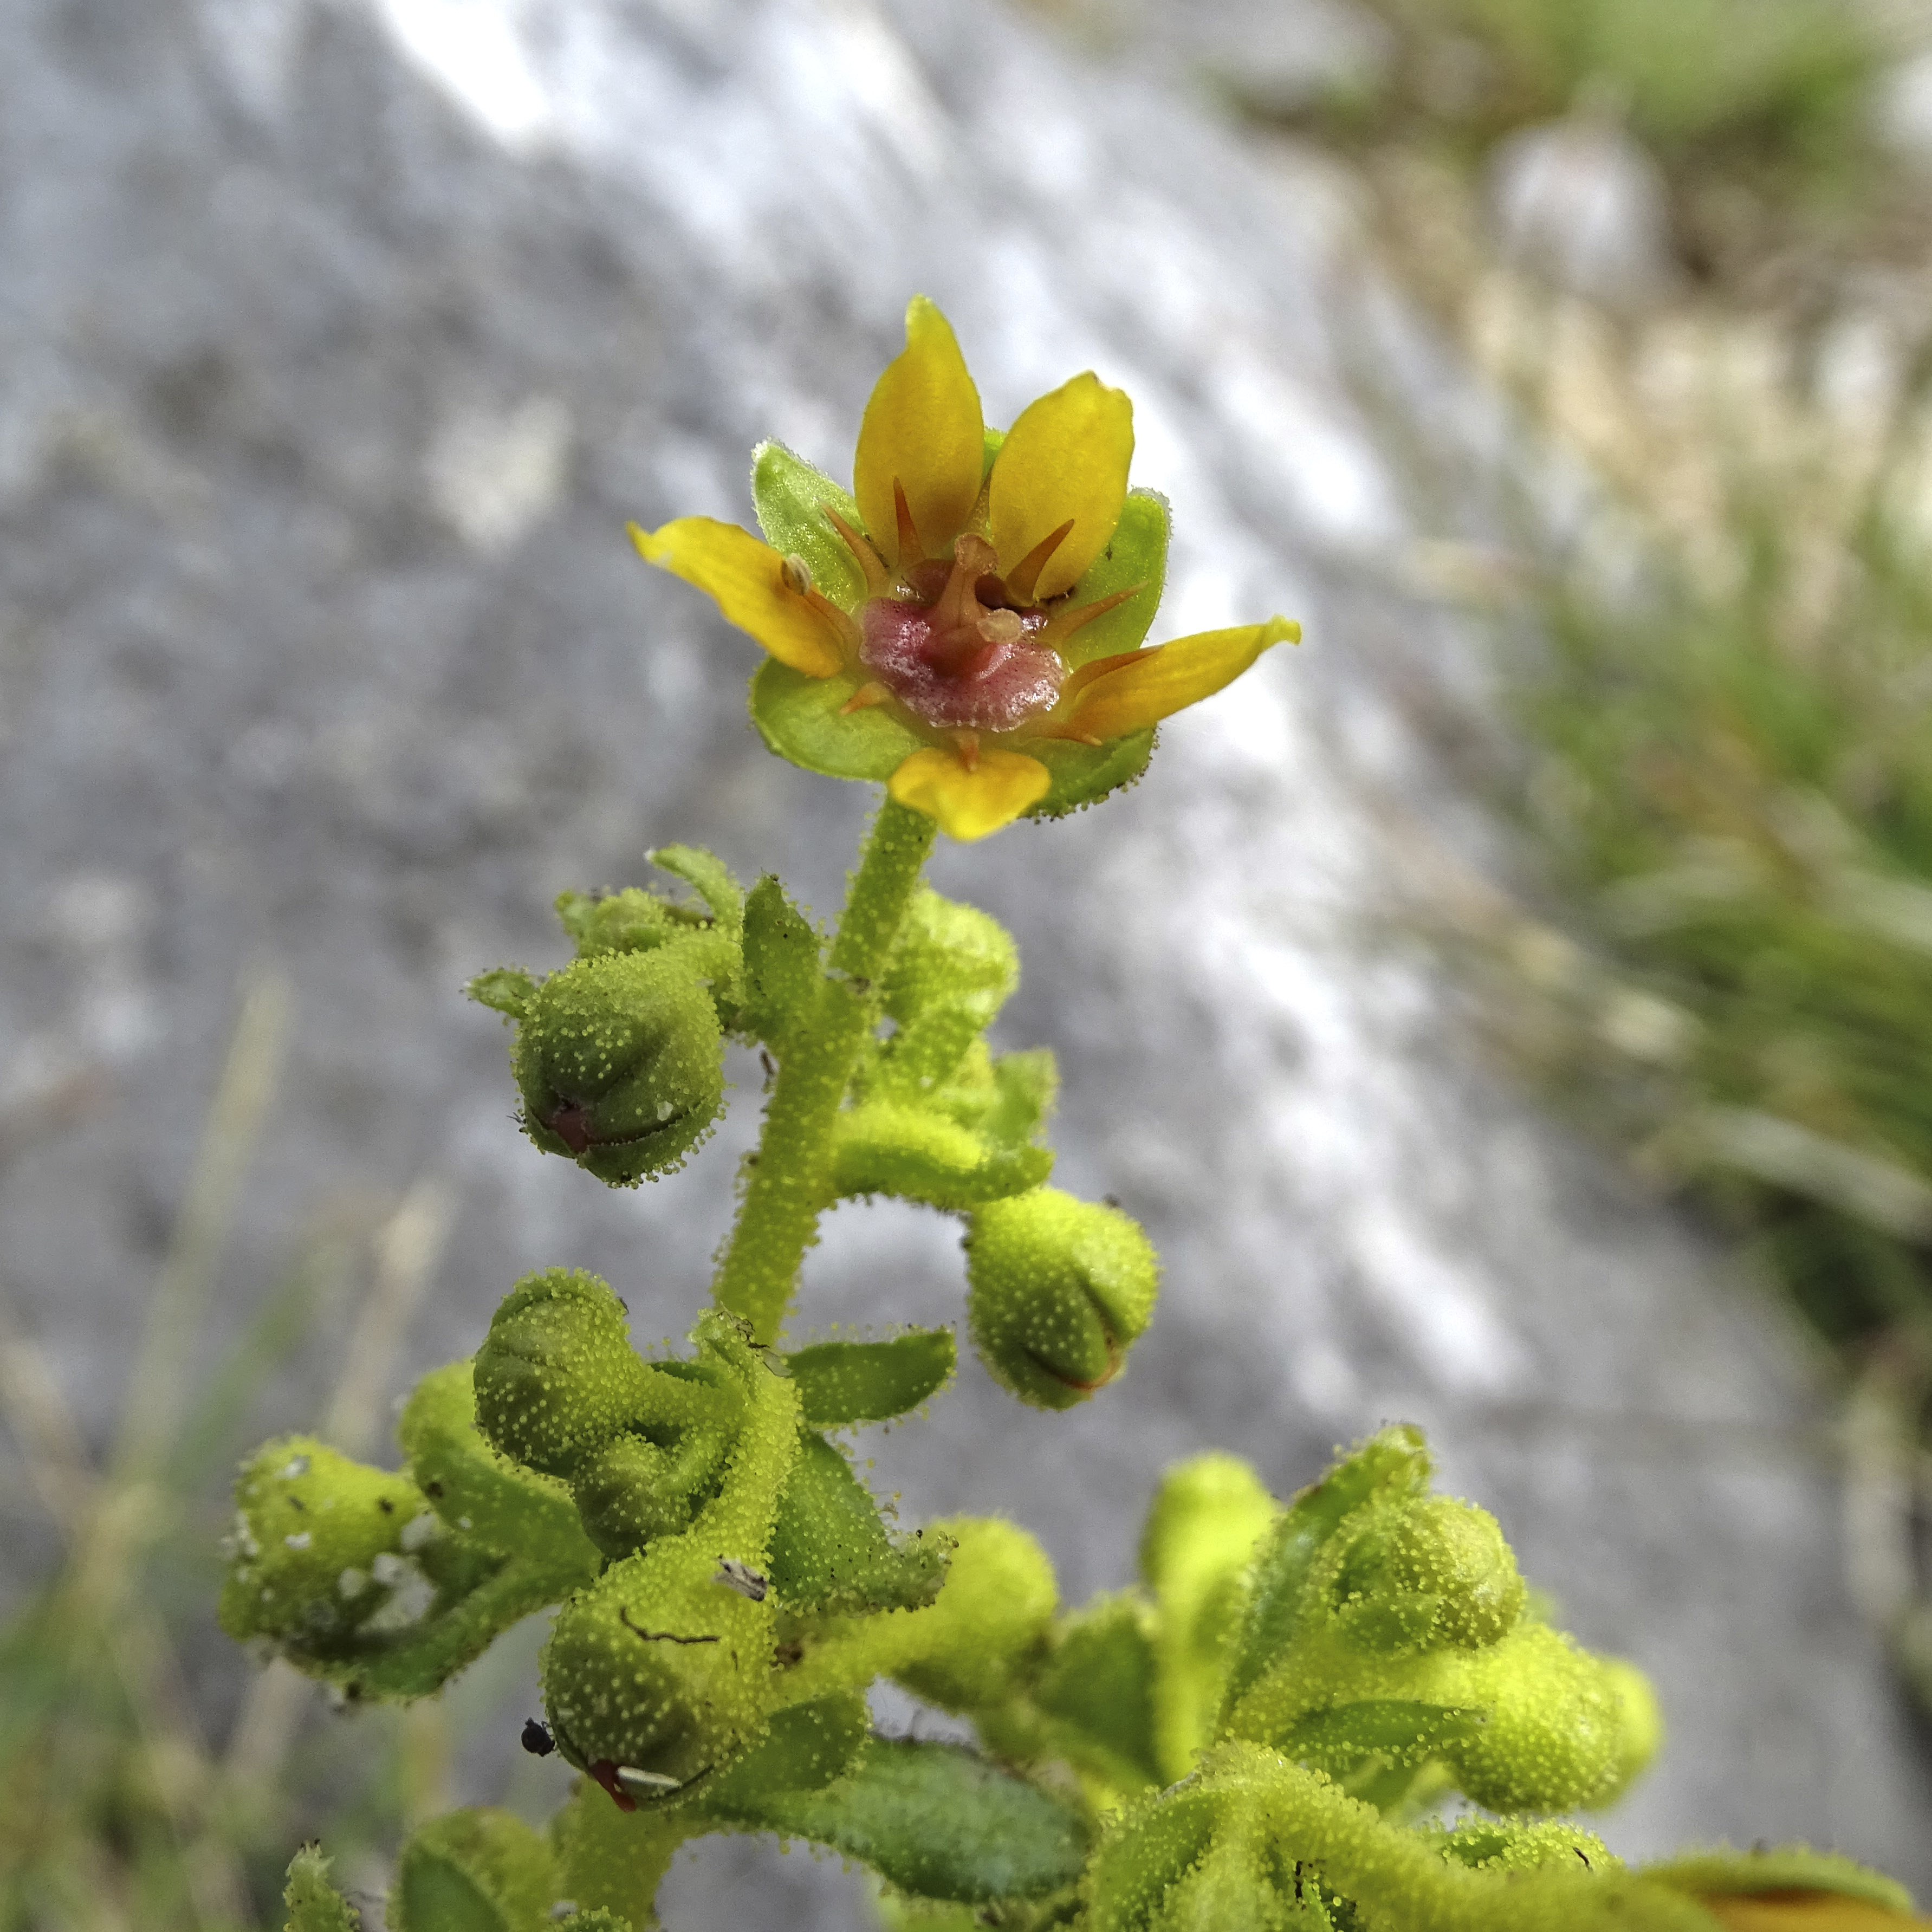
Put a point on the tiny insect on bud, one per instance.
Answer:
(797, 574)
(733, 1575)
(536, 1738)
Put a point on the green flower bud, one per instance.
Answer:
(632, 1490)
(1434, 1574)
(656, 1675)
(1058, 1289)
(321, 1545)
(556, 1376)
(1555, 1738)
(1493, 1844)
(993, 1618)
(478, 1870)
(620, 1057)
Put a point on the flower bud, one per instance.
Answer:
(556, 1376)
(630, 1490)
(656, 1674)
(620, 1058)
(993, 1618)
(321, 1544)
(481, 1868)
(1057, 1289)
(1435, 1573)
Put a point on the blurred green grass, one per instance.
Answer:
(122, 1809)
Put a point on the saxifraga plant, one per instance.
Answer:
(1254, 1736)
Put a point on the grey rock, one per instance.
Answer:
(341, 339)
(1581, 202)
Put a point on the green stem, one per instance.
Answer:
(789, 1184)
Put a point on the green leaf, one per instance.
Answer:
(782, 975)
(883, 1148)
(503, 989)
(830, 1552)
(841, 1382)
(479, 1492)
(789, 497)
(939, 1821)
(1403, 1732)
(709, 876)
(1395, 1461)
(1100, 1680)
(798, 718)
(808, 1746)
(1025, 1085)
(313, 1904)
(1085, 774)
(1136, 555)
(478, 1870)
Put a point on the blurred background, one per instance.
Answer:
(1511, 1012)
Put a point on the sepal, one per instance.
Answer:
(843, 1382)
(781, 966)
(480, 1493)
(915, 1154)
(507, 990)
(831, 1555)
(1135, 560)
(791, 499)
(1098, 1688)
(1395, 1461)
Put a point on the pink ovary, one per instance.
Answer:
(956, 677)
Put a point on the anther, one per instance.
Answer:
(797, 573)
(1001, 627)
(968, 742)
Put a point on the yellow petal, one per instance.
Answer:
(1065, 460)
(746, 579)
(969, 804)
(1138, 688)
(922, 432)
(1805, 1911)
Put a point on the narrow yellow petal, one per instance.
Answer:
(922, 435)
(968, 804)
(1065, 460)
(1138, 688)
(747, 580)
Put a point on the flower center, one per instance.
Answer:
(956, 653)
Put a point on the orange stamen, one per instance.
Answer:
(863, 699)
(878, 578)
(1025, 575)
(1064, 622)
(1088, 673)
(968, 742)
(910, 549)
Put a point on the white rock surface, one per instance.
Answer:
(341, 341)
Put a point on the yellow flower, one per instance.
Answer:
(965, 623)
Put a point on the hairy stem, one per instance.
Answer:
(787, 1187)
